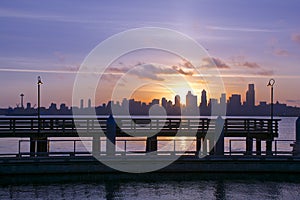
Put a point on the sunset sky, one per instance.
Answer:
(249, 41)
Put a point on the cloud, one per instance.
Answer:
(258, 69)
(72, 68)
(296, 38)
(187, 64)
(293, 101)
(214, 62)
(265, 72)
(38, 71)
(181, 71)
(60, 56)
(118, 70)
(281, 52)
(110, 77)
(240, 29)
(150, 70)
(251, 65)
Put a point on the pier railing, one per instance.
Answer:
(65, 127)
(207, 133)
(127, 147)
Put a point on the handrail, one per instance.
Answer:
(125, 150)
(275, 151)
(172, 150)
(233, 127)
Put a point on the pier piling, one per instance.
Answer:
(151, 144)
(258, 147)
(111, 136)
(296, 146)
(219, 136)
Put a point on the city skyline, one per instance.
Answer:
(233, 106)
(190, 100)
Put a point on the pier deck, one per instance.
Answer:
(210, 164)
(40, 160)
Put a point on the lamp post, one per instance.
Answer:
(269, 142)
(39, 83)
(22, 98)
(271, 84)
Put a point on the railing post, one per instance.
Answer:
(296, 146)
(219, 136)
(249, 145)
(32, 146)
(198, 144)
(151, 144)
(204, 142)
(270, 138)
(258, 147)
(19, 151)
(111, 129)
(96, 145)
(41, 140)
(74, 147)
(41, 146)
(229, 147)
(249, 139)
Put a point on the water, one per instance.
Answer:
(153, 186)
(159, 186)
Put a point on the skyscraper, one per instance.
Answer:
(89, 103)
(223, 99)
(81, 103)
(164, 102)
(191, 100)
(203, 99)
(250, 96)
(177, 101)
(235, 100)
(234, 104)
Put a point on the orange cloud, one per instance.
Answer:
(212, 62)
(296, 38)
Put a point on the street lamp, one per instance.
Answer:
(269, 142)
(22, 98)
(39, 83)
(271, 84)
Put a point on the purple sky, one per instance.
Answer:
(250, 42)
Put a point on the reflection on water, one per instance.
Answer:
(201, 189)
(155, 186)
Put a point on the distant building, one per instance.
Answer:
(250, 96)
(191, 100)
(213, 104)
(81, 103)
(177, 101)
(191, 104)
(204, 109)
(155, 101)
(164, 102)
(234, 105)
(28, 106)
(89, 103)
(223, 99)
(203, 99)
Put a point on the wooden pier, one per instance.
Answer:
(202, 129)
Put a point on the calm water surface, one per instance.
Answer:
(159, 187)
